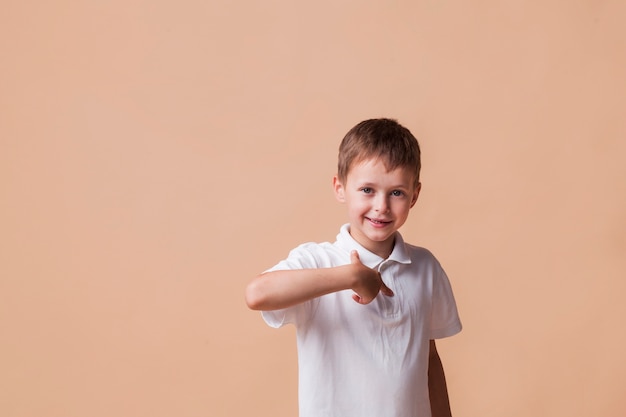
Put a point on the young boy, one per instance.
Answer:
(367, 307)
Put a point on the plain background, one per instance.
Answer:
(155, 156)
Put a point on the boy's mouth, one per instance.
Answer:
(376, 221)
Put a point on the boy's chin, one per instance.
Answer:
(377, 236)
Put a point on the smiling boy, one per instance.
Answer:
(368, 307)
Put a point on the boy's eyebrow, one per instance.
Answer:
(373, 185)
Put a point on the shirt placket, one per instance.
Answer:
(390, 306)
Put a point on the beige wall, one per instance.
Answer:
(154, 156)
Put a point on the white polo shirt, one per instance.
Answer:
(369, 360)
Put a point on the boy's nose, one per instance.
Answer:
(382, 205)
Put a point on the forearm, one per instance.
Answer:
(438, 390)
(281, 289)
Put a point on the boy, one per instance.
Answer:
(367, 307)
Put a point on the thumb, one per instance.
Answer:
(354, 257)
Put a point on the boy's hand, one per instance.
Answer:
(368, 282)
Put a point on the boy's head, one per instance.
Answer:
(378, 180)
(381, 139)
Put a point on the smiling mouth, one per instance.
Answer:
(375, 221)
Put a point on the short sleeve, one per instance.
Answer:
(302, 257)
(445, 319)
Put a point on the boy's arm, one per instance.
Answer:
(284, 288)
(438, 391)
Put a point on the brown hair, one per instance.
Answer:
(385, 139)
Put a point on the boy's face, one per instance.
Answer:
(378, 203)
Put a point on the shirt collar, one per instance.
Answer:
(370, 259)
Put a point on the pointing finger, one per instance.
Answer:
(386, 290)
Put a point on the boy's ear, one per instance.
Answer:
(416, 194)
(339, 190)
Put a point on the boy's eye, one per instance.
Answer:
(397, 193)
(366, 190)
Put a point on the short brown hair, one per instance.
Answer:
(385, 139)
